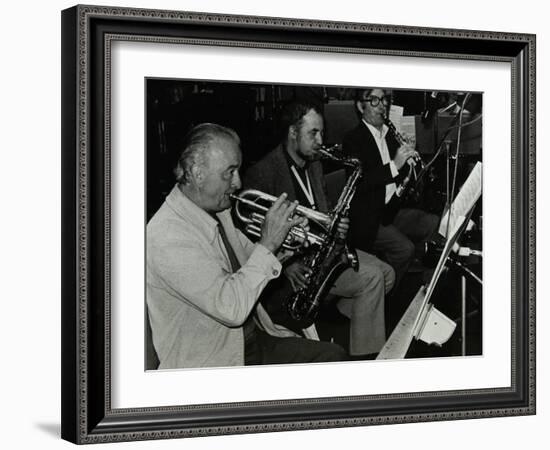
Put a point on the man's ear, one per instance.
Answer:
(196, 172)
(292, 131)
(360, 105)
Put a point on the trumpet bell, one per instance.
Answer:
(251, 205)
(260, 201)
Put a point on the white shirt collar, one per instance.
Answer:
(190, 212)
(378, 134)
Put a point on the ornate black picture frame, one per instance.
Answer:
(87, 35)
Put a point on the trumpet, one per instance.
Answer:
(251, 206)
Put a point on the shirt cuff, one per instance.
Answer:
(271, 264)
(394, 171)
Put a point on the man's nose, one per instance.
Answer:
(236, 182)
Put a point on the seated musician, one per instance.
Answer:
(204, 277)
(378, 224)
(293, 167)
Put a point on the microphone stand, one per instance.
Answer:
(448, 205)
(448, 157)
(446, 143)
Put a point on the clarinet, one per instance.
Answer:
(403, 186)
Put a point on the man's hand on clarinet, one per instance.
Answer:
(404, 153)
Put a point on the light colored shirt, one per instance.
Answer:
(380, 139)
(197, 306)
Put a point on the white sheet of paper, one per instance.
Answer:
(465, 200)
(396, 114)
(408, 128)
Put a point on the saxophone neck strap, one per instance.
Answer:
(305, 187)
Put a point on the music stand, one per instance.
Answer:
(421, 319)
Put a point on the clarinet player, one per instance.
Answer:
(384, 166)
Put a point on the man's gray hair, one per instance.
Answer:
(196, 142)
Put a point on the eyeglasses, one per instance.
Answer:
(375, 101)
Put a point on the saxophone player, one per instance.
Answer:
(293, 167)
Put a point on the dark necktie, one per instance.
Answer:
(248, 326)
(235, 264)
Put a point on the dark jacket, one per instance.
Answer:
(368, 204)
(272, 175)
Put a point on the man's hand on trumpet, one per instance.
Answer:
(278, 222)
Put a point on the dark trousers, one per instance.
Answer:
(262, 348)
(396, 242)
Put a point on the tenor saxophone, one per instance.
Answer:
(328, 260)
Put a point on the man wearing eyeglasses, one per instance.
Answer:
(385, 164)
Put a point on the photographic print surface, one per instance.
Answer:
(400, 168)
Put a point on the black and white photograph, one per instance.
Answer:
(292, 223)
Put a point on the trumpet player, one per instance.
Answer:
(376, 225)
(293, 167)
(204, 276)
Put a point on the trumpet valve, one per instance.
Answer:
(257, 218)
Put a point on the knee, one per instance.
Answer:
(371, 277)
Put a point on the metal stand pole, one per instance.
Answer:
(447, 193)
(463, 280)
(447, 183)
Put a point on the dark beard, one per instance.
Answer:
(309, 158)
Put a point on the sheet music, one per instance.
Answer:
(408, 128)
(405, 125)
(465, 200)
(395, 115)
